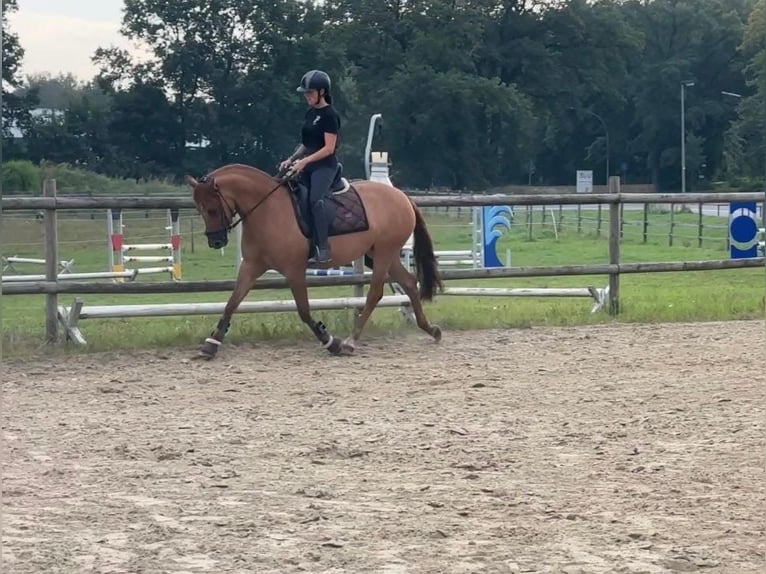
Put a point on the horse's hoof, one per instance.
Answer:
(347, 346)
(335, 347)
(436, 333)
(208, 349)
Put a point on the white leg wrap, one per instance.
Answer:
(213, 341)
(328, 343)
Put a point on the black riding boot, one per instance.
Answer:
(321, 231)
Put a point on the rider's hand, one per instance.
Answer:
(299, 166)
(285, 164)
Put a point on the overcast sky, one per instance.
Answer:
(62, 35)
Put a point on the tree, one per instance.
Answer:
(746, 139)
(224, 65)
(472, 91)
(684, 40)
(52, 92)
(15, 107)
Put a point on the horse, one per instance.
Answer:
(368, 218)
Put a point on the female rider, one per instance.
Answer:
(316, 154)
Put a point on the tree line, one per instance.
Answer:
(474, 93)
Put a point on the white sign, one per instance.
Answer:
(584, 181)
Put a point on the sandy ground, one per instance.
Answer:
(629, 448)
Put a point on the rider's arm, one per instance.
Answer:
(324, 151)
(299, 152)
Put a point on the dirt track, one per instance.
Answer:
(601, 449)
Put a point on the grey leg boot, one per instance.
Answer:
(321, 231)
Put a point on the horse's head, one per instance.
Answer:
(216, 212)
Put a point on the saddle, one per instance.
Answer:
(345, 209)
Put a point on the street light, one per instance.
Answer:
(606, 130)
(683, 136)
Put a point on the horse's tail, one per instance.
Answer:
(425, 259)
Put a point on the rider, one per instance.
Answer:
(316, 154)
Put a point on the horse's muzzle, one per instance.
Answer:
(217, 239)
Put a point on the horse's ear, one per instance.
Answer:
(191, 181)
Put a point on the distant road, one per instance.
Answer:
(709, 209)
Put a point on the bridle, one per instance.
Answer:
(226, 225)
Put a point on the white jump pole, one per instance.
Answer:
(118, 247)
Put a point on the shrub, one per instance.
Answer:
(21, 177)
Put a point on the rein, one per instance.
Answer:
(222, 200)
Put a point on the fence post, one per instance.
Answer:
(672, 224)
(51, 264)
(614, 245)
(530, 216)
(646, 222)
(598, 221)
(622, 220)
(700, 226)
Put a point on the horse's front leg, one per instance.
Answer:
(248, 274)
(297, 283)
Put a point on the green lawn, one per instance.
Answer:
(732, 294)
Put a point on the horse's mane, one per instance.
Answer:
(240, 167)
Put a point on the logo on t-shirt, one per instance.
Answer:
(316, 120)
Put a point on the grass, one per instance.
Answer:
(694, 296)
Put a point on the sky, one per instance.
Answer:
(60, 36)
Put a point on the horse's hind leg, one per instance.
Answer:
(410, 285)
(382, 261)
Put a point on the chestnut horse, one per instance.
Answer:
(368, 219)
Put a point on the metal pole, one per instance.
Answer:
(606, 131)
(607, 154)
(683, 142)
(683, 134)
(368, 147)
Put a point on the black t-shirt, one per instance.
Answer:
(317, 122)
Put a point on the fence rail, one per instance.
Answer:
(51, 287)
(213, 286)
(171, 202)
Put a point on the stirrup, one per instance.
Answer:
(314, 259)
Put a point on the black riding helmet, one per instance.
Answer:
(315, 80)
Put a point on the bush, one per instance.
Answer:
(76, 180)
(21, 177)
(25, 178)
(746, 184)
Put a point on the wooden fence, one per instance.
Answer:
(50, 203)
(647, 220)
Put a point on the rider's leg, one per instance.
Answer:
(321, 180)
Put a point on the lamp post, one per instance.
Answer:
(683, 135)
(606, 130)
(738, 96)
